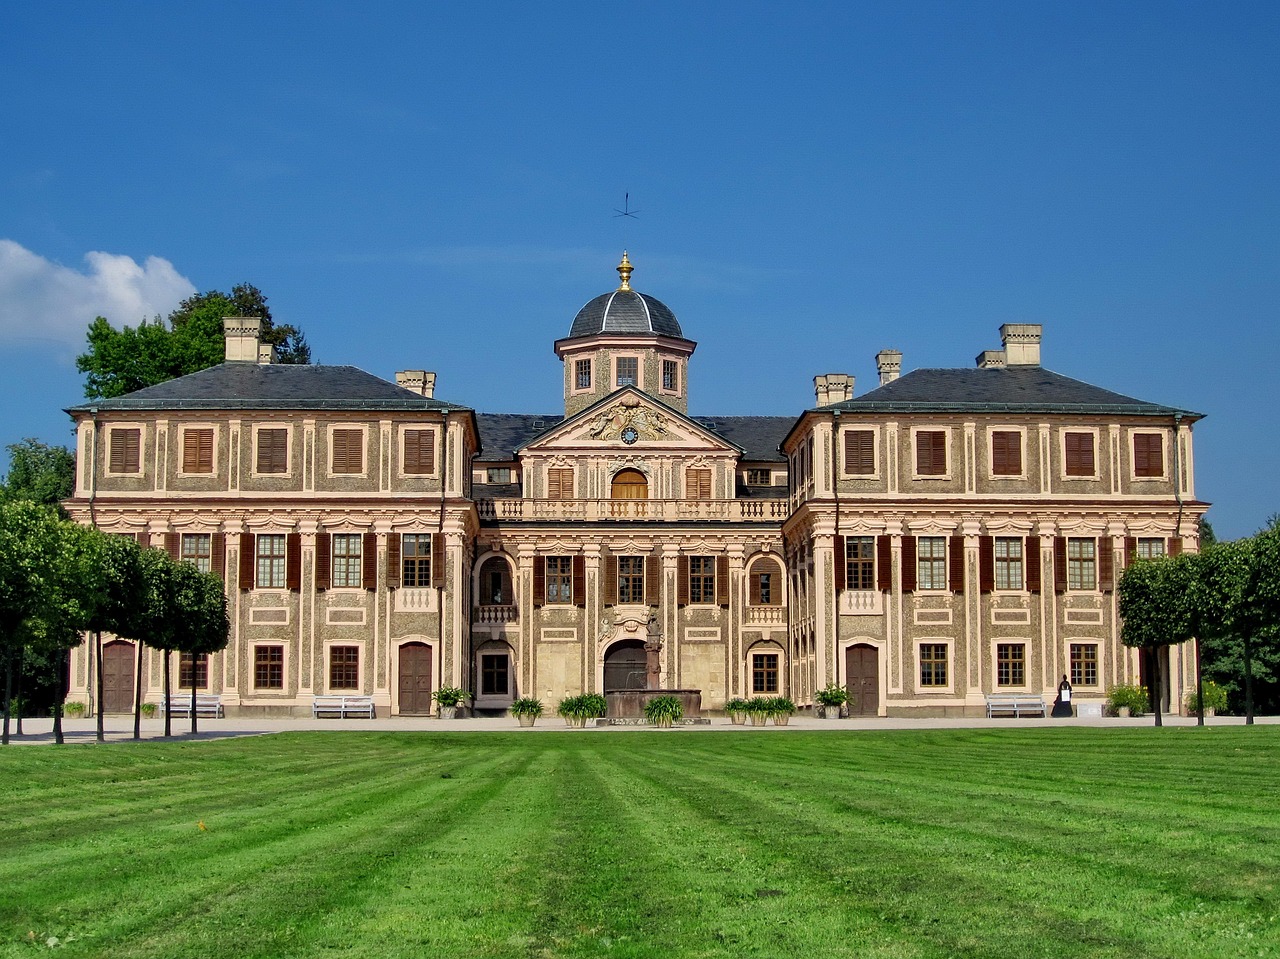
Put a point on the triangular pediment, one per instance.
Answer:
(628, 420)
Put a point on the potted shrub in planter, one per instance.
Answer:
(758, 710)
(594, 706)
(664, 711)
(1215, 699)
(571, 709)
(449, 698)
(73, 709)
(737, 709)
(780, 709)
(831, 699)
(1127, 700)
(149, 710)
(527, 710)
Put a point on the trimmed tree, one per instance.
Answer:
(205, 629)
(121, 609)
(1155, 606)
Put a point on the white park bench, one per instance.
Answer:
(1016, 705)
(342, 706)
(207, 704)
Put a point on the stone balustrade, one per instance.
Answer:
(658, 510)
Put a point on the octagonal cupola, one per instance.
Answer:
(625, 338)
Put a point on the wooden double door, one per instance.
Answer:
(415, 679)
(862, 679)
(118, 670)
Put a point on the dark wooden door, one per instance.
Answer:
(625, 666)
(117, 677)
(415, 679)
(862, 680)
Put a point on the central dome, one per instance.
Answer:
(624, 311)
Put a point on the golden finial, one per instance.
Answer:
(624, 271)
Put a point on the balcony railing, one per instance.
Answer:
(766, 615)
(861, 602)
(495, 614)
(656, 510)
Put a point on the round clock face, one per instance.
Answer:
(629, 435)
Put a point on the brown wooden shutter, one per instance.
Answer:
(859, 452)
(437, 560)
(940, 454)
(652, 580)
(539, 581)
(884, 563)
(682, 580)
(218, 555)
(173, 546)
(115, 458)
(986, 564)
(1175, 545)
(1060, 564)
(369, 560)
(1106, 565)
(1032, 558)
(908, 564)
(293, 560)
(190, 452)
(839, 562)
(580, 581)
(722, 581)
(753, 586)
(324, 560)
(1130, 550)
(393, 561)
(955, 565)
(610, 580)
(247, 560)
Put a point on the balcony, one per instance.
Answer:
(630, 510)
(861, 602)
(495, 614)
(766, 616)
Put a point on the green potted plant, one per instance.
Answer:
(664, 711)
(571, 709)
(526, 710)
(149, 710)
(737, 710)
(780, 710)
(449, 698)
(73, 709)
(1127, 700)
(594, 706)
(831, 698)
(1215, 699)
(758, 710)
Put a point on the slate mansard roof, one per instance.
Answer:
(625, 312)
(250, 386)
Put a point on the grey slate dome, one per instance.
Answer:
(624, 311)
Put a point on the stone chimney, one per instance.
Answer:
(990, 359)
(418, 381)
(889, 365)
(242, 333)
(833, 388)
(266, 354)
(1021, 343)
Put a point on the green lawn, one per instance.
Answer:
(1007, 843)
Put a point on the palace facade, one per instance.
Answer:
(951, 534)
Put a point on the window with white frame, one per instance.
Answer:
(1008, 555)
(1082, 563)
(348, 561)
(931, 562)
(271, 560)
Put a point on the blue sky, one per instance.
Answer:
(432, 186)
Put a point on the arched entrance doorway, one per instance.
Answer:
(862, 679)
(625, 665)
(117, 677)
(415, 679)
(629, 484)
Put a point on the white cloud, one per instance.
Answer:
(43, 300)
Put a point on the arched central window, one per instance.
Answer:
(630, 484)
(495, 582)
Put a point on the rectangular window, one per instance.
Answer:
(702, 579)
(697, 484)
(559, 579)
(1150, 547)
(759, 478)
(493, 674)
(860, 562)
(419, 452)
(348, 558)
(344, 667)
(197, 450)
(348, 451)
(1008, 550)
(630, 579)
(415, 559)
(764, 588)
(931, 562)
(273, 451)
(628, 370)
(197, 549)
(560, 484)
(931, 453)
(1148, 454)
(271, 561)
(582, 374)
(1082, 569)
(126, 451)
(1011, 664)
(933, 664)
(201, 665)
(498, 474)
(670, 376)
(1006, 453)
(764, 673)
(268, 667)
(1079, 452)
(1084, 664)
(860, 452)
